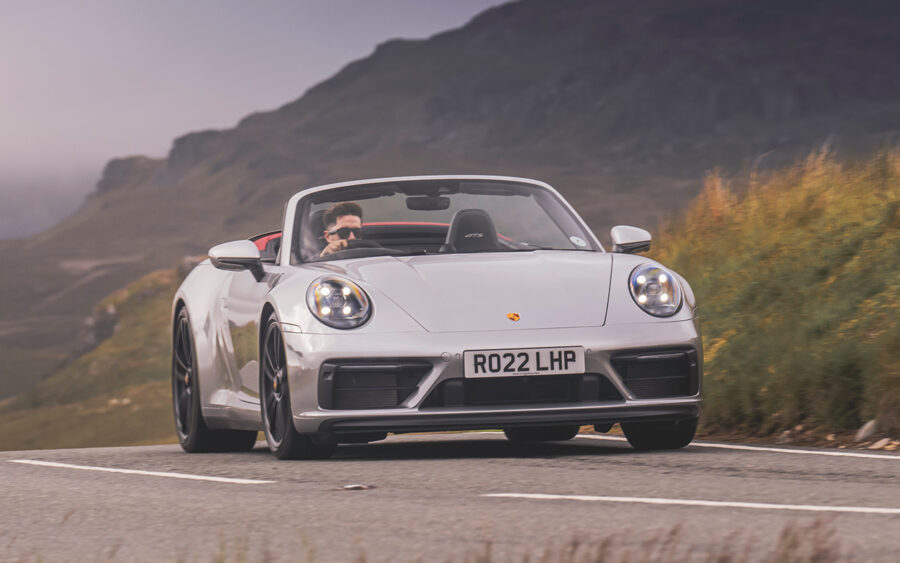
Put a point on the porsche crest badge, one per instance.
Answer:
(512, 316)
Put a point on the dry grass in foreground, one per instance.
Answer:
(798, 542)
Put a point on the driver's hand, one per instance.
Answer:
(334, 246)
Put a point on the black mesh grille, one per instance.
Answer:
(369, 385)
(522, 390)
(655, 374)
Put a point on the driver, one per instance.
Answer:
(343, 223)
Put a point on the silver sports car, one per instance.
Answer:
(432, 303)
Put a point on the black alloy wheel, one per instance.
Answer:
(275, 403)
(182, 376)
(272, 386)
(193, 434)
(665, 435)
(541, 433)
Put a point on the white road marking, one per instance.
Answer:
(707, 503)
(761, 448)
(141, 472)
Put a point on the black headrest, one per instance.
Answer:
(471, 230)
(317, 223)
(311, 235)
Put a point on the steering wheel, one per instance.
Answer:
(357, 243)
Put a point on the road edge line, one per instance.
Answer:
(169, 474)
(703, 503)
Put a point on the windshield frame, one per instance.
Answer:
(298, 204)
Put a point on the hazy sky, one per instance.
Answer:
(83, 81)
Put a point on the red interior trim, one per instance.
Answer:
(262, 242)
(381, 223)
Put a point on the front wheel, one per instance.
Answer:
(275, 403)
(193, 433)
(541, 433)
(669, 435)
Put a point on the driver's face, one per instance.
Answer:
(349, 221)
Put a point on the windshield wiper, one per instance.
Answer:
(535, 247)
(532, 247)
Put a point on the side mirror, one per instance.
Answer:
(629, 240)
(237, 255)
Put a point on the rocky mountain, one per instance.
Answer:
(624, 106)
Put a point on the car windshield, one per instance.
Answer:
(434, 216)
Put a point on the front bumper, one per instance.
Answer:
(475, 420)
(306, 353)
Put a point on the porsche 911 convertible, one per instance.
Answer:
(432, 303)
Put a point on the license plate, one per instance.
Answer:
(524, 361)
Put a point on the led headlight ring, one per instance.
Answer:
(655, 290)
(338, 303)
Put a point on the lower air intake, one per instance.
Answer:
(656, 374)
(369, 385)
(524, 390)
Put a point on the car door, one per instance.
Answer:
(241, 302)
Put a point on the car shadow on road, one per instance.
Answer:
(474, 448)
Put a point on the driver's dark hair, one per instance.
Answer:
(339, 210)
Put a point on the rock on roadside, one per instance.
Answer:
(867, 431)
(880, 444)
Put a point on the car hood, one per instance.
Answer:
(470, 292)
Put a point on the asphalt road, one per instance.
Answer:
(430, 498)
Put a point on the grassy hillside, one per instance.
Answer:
(798, 282)
(116, 394)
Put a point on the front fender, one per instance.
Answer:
(288, 300)
(200, 292)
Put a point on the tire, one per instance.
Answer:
(670, 435)
(275, 402)
(193, 433)
(541, 433)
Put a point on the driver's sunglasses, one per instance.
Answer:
(344, 232)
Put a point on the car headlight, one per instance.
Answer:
(655, 290)
(338, 303)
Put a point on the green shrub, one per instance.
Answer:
(797, 282)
